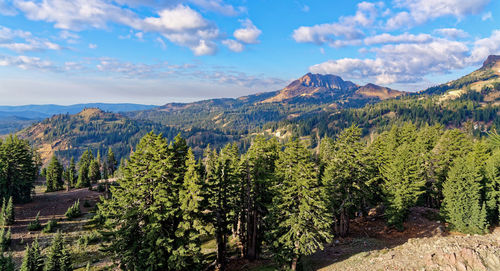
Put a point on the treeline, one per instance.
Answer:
(286, 200)
(19, 168)
(89, 170)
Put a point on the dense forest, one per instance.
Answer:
(278, 197)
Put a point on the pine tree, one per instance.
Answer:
(5, 238)
(492, 187)
(462, 204)
(6, 262)
(33, 259)
(8, 213)
(58, 258)
(145, 214)
(256, 194)
(403, 183)
(94, 171)
(219, 187)
(347, 178)
(111, 163)
(192, 226)
(83, 169)
(71, 174)
(54, 175)
(301, 219)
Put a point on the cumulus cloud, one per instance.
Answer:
(420, 11)
(346, 29)
(249, 33)
(26, 62)
(452, 33)
(403, 38)
(485, 47)
(22, 41)
(233, 45)
(401, 62)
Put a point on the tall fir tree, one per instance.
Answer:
(111, 162)
(403, 183)
(347, 179)
(33, 259)
(54, 175)
(462, 204)
(57, 255)
(301, 219)
(83, 169)
(492, 187)
(94, 171)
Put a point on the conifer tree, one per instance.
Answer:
(301, 219)
(71, 174)
(111, 162)
(403, 183)
(347, 178)
(192, 227)
(54, 175)
(6, 262)
(256, 194)
(33, 259)
(462, 204)
(94, 171)
(8, 212)
(83, 169)
(145, 214)
(57, 256)
(492, 187)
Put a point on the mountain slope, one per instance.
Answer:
(70, 135)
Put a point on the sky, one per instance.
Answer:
(156, 52)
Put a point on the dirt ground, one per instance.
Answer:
(51, 205)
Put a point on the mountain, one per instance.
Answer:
(70, 135)
(382, 93)
(14, 118)
(314, 86)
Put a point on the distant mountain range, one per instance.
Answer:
(14, 118)
(312, 106)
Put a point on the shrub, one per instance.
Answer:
(90, 238)
(35, 224)
(51, 226)
(74, 210)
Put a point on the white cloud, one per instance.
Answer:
(234, 45)
(161, 42)
(218, 6)
(420, 11)
(403, 38)
(205, 48)
(68, 35)
(347, 29)
(92, 46)
(23, 41)
(485, 47)
(487, 16)
(26, 62)
(139, 36)
(249, 33)
(452, 33)
(401, 62)
(6, 9)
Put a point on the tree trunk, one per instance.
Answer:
(294, 263)
(221, 246)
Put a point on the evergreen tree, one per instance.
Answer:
(403, 183)
(256, 194)
(94, 171)
(111, 162)
(145, 214)
(57, 255)
(347, 178)
(192, 226)
(18, 169)
(54, 175)
(83, 169)
(33, 259)
(462, 204)
(8, 213)
(301, 219)
(492, 188)
(71, 174)
(6, 262)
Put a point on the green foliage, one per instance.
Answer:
(6, 262)
(83, 169)
(144, 215)
(58, 257)
(5, 238)
(54, 175)
(70, 175)
(7, 216)
(462, 203)
(299, 212)
(90, 238)
(94, 171)
(50, 227)
(33, 259)
(35, 224)
(111, 162)
(347, 177)
(492, 187)
(18, 169)
(74, 210)
(403, 183)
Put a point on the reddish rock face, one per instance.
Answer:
(491, 61)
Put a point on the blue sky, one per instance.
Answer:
(155, 52)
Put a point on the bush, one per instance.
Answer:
(51, 226)
(74, 210)
(92, 237)
(35, 224)
(5, 238)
